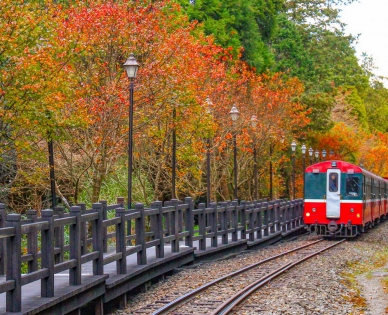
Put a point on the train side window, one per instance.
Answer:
(333, 182)
(352, 185)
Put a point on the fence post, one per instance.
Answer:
(175, 227)
(293, 214)
(97, 237)
(283, 216)
(214, 225)
(47, 250)
(189, 221)
(105, 230)
(289, 217)
(32, 243)
(3, 215)
(277, 215)
(265, 218)
(121, 264)
(234, 220)
(159, 232)
(121, 202)
(300, 213)
(84, 231)
(224, 223)
(14, 244)
(167, 218)
(259, 221)
(140, 235)
(202, 226)
(59, 237)
(271, 206)
(243, 221)
(75, 246)
(251, 222)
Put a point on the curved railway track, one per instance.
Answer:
(222, 295)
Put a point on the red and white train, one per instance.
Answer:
(342, 199)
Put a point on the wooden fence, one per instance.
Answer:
(36, 248)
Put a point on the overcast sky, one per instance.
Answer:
(370, 19)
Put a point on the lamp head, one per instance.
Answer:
(131, 66)
(293, 146)
(234, 113)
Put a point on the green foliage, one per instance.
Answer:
(376, 104)
(238, 24)
(320, 105)
(310, 44)
(290, 54)
(115, 185)
(357, 107)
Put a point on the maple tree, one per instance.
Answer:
(62, 79)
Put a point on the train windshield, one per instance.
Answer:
(352, 185)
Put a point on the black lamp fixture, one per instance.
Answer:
(131, 66)
(234, 113)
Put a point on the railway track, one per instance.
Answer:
(222, 295)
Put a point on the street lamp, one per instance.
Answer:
(234, 113)
(52, 172)
(254, 125)
(208, 144)
(316, 155)
(293, 148)
(173, 157)
(131, 66)
(324, 154)
(311, 151)
(51, 163)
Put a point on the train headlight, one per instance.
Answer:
(313, 210)
(307, 214)
(351, 210)
(358, 215)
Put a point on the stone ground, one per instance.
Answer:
(350, 279)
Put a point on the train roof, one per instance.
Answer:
(344, 167)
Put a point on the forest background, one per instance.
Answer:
(289, 63)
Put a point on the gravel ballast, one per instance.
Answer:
(347, 279)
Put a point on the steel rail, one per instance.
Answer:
(186, 297)
(228, 305)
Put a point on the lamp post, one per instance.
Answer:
(208, 144)
(131, 66)
(52, 172)
(293, 148)
(234, 113)
(311, 151)
(324, 154)
(173, 157)
(254, 125)
(316, 156)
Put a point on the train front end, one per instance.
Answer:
(333, 199)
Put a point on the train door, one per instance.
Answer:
(333, 194)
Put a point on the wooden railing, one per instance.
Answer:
(59, 241)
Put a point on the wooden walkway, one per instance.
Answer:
(101, 281)
(107, 287)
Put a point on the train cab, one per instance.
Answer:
(341, 199)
